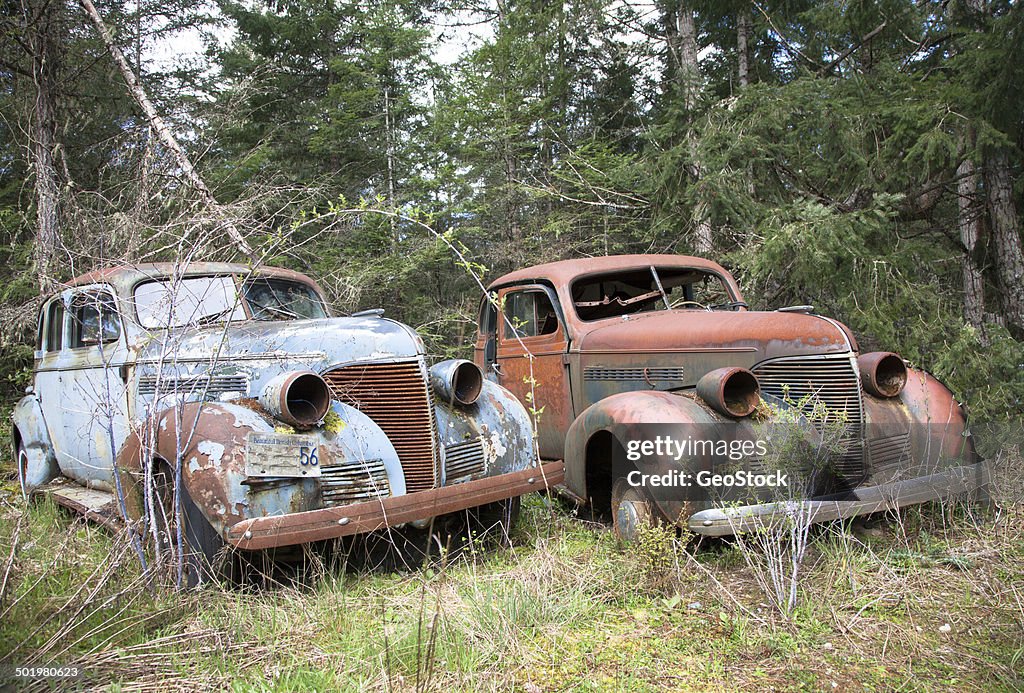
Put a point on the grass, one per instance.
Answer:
(933, 598)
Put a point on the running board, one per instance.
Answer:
(92, 504)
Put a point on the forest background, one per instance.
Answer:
(862, 157)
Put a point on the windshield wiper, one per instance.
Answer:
(214, 317)
(729, 304)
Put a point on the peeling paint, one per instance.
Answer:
(494, 448)
(214, 451)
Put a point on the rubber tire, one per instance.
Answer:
(204, 547)
(22, 461)
(630, 509)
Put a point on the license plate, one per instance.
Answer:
(280, 454)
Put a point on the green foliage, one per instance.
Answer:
(339, 138)
(989, 377)
(15, 370)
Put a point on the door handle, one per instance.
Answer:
(496, 367)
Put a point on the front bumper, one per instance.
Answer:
(330, 523)
(719, 522)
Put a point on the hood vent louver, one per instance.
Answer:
(193, 385)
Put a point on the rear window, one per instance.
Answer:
(94, 320)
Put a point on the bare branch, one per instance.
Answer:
(162, 131)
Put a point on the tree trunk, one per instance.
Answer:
(969, 224)
(688, 81)
(742, 53)
(687, 75)
(389, 135)
(163, 132)
(1006, 240)
(40, 26)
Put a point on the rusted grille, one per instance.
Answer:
(463, 459)
(351, 483)
(835, 383)
(395, 396)
(645, 374)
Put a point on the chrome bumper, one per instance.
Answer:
(720, 522)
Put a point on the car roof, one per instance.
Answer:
(565, 271)
(124, 278)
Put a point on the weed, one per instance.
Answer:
(560, 607)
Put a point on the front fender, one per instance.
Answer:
(499, 421)
(212, 446)
(31, 434)
(917, 432)
(622, 416)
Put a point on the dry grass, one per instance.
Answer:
(932, 598)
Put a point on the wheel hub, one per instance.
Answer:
(627, 520)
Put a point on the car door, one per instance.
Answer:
(47, 381)
(531, 361)
(93, 407)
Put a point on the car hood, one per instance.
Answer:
(309, 344)
(773, 334)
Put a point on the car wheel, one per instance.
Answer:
(203, 549)
(22, 462)
(631, 511)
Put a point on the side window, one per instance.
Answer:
(53, 339)
(488, 317)
(39, 331)
(530, 314)
(94, 320)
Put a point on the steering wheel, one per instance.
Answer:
(700, 305)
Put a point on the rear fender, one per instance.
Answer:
(31, 434)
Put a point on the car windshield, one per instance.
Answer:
(650, 289)
(282, 299)
(204, 300)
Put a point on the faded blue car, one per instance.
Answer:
(277, 423)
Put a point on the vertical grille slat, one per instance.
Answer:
(395, 395)
(832, 380)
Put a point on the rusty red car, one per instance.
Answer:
(599, 348)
